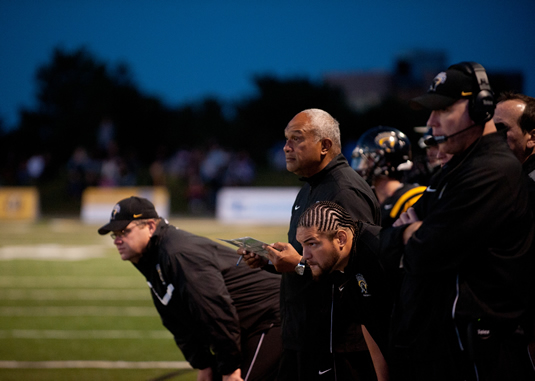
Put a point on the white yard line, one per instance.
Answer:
(41, 334)
(119, 282)
(78, 311)
(73, 294)
(94, 364)
(53, 252)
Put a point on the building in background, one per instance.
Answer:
(412, 71)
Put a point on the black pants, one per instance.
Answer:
(487, 352)
(497, 352)
(261, 355)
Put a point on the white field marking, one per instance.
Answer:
(78, 334)
(67, 281)
(53, 252)
(95, 364)
(74, 294)
(79, 311)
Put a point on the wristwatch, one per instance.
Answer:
(300, 268)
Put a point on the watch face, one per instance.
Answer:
(300, 269)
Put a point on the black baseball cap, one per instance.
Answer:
(447, 88)
(126, 211)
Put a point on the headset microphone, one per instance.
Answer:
(432, 141)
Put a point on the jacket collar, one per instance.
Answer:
(483, 142)
(318, 177)
(152, 248)
(529, 165)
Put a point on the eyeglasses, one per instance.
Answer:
(125, 232)
(121, 234)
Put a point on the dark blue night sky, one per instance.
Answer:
(183, 51)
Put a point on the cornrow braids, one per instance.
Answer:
(328, 217)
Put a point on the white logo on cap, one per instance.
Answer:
(439, 79)
(116, 209)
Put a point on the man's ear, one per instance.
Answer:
(342, 237)
(326, 145)
(152, 226)
(531, 140)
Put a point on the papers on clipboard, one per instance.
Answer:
(249, 244)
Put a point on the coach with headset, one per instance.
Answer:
(465, 247)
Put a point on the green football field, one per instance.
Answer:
(70, 309)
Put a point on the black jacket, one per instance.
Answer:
(360, 295)
(302, 326)
(529, 169)
(471, 257)
(204, 299)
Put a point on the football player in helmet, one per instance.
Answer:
(382, 156)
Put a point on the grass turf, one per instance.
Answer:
(65, 295)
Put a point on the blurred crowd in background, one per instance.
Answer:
(201, 171)
(92, 126)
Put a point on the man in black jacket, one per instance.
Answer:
(313, 152)
(224, 318)
(344, 254)
(465, 247)
(515, 113)
(383, 158)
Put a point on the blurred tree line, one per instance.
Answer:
(76, 92)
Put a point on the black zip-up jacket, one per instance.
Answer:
(529, 169)
(302, 327)
(204, 299)
(471, 258)
(362, 294)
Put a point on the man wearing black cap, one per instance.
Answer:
(465, 247)
(224, 318)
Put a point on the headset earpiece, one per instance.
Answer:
(482, 105)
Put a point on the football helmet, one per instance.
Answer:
(382, 151)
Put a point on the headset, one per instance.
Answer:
(482, 105)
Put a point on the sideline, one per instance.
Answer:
(95, 365)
